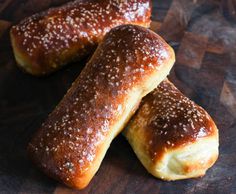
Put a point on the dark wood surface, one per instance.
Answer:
(203, 34)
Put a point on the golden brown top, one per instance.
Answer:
(82, 24)
(170, 120)
(68, 141)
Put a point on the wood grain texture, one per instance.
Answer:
(25, 101)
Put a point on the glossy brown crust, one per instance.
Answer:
(68, 144)
(44, 42)
(171, 120)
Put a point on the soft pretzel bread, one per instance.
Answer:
(45, 42)
(129, 63)
(172, 136)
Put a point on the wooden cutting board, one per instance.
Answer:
(203, 34)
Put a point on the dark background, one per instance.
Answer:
(203, 34)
